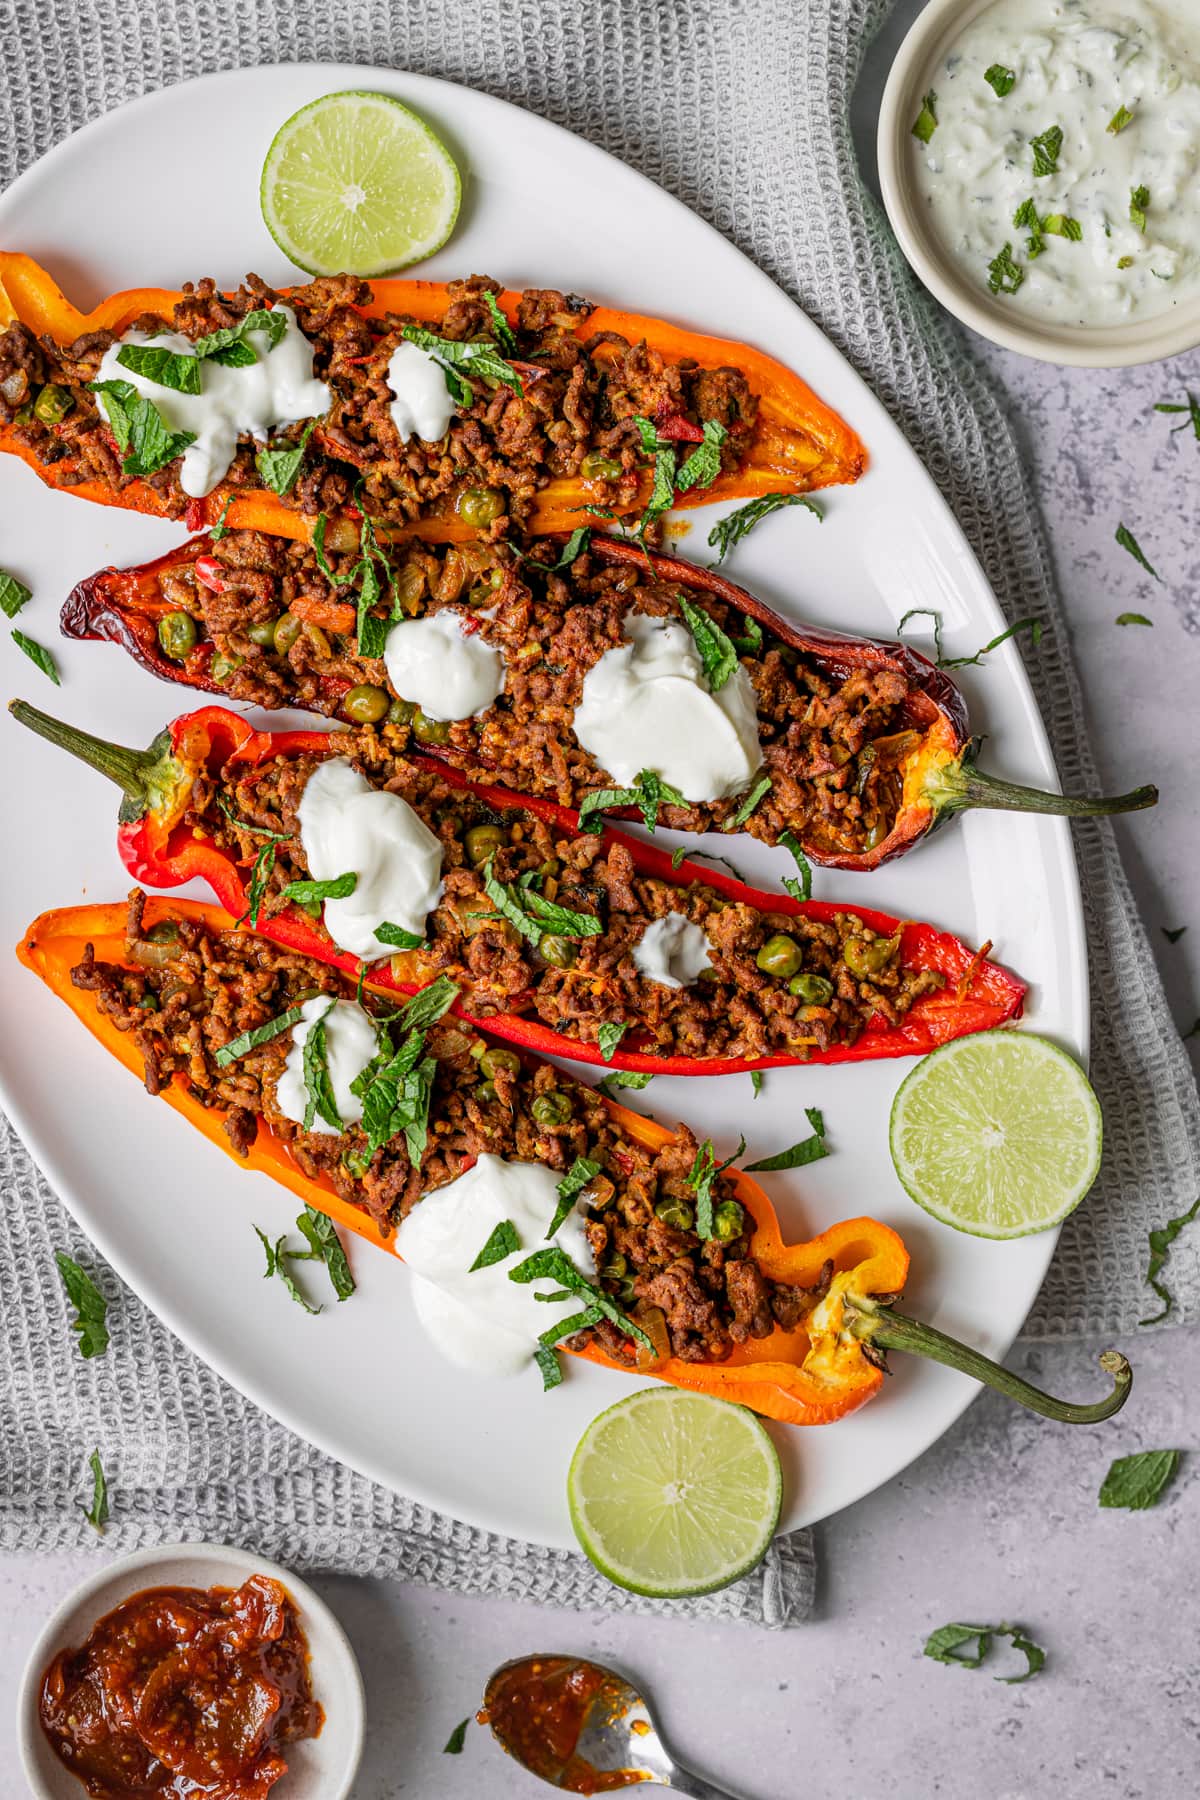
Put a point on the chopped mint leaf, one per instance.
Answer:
(716, 653)
(759, 791)
(802, 889)
(305, 893)
(947, 1645)
(926, 120)
(736, 525)
(502, 331)
(701, 1178)
(144, 438)
(1137, 1482)
(1133, 619)
(570, 1187)
(1120, 119)
(608, 1036)
(166, 367)
(1061, 225)
(1161, 1239)
(397, 935)
(318, 1086)
(279, 468)
(1191, 408)
(38, 655)
(756, 1081)
(1004, 275)
(703, 466)
(261, 1034)
(1047, 147)
(623, 1078)
(13, 595)
(502, 1242)
(326, 1246)
(808, 1150)
(1002, 81)
(456, 1740)
(229, 346)
(91, 1308)
(97, 1513)
(1139, 200)
(1128, 542)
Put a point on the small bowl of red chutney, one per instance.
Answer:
(191, 1669)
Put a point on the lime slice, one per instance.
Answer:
(674, 1493)
(357, 184)
(997, 1134)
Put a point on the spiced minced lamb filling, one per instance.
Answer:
(574, 419)
(190, 991)
(780, 983)
(831, 748)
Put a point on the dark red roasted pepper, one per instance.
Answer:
(158, 849)
(938, 772)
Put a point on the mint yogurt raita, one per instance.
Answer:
(1058, 151)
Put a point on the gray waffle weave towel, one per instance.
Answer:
(774, 170)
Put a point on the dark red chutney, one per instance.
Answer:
(538, 1710)
(182, 1692)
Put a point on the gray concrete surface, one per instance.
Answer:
(999, 1520)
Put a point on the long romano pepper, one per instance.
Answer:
(824, 1368)
(162, 849)
(796, 443)
(929, 761)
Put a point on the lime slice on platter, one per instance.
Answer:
(355, 183)
(673, 1494)
(998, 1134)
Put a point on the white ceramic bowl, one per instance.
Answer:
(322, 1768)
(1089, 347)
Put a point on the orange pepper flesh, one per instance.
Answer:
(798, 442)
(765, 1374)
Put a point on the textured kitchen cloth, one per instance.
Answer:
(740, 107)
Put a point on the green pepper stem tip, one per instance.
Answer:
(960, 787)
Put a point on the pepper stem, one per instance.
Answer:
(144, 776)
(958, 787)
(887, 1330)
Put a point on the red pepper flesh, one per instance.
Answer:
(160, 850)
(938, 773)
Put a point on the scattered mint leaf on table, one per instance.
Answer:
(1137, 1482)
(949, 1645)
(91, 1308)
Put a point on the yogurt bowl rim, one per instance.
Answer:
(1146, 340)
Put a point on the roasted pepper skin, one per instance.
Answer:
(767, 1374)
(938, 772)
(161, 852)
(798, 442)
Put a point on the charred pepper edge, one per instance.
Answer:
(156, 783)
(798, 440)
(801, 1377)
(940, 776)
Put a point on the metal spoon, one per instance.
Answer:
(583, 1728)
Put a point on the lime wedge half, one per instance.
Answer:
(997, 1134)
(355, 183)
(674, 1493)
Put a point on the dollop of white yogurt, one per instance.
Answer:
(449, 672)
(478, 1318)
(672, 951)
(422, 406)
(349, 1046)
(1076, 64)
(349, 827)
(278, 388)
(647, 705)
